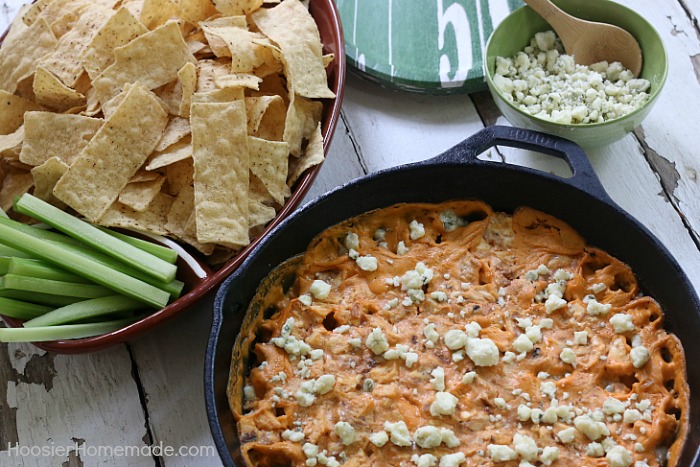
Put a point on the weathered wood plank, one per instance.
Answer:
(97, 397)
(693, 9)
(343, 162)
(170, 363)
(392, 128)
(53, 404)
(669, 133)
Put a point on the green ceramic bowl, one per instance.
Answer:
(514, 34)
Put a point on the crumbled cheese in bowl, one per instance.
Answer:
(546, 83)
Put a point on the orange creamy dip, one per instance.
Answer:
(452, 335)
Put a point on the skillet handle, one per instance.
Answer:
(583, 178)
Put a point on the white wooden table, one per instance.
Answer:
(92, 409)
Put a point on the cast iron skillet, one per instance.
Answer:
(458, 174)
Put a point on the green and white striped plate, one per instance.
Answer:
(425, 46)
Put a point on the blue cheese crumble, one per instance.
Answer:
(544, 82)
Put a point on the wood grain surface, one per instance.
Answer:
(150, 392)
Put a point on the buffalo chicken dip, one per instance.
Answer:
(453, 335)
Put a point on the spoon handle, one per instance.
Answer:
(563, 23)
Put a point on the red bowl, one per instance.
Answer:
(197, 286)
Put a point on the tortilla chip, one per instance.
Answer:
(33, 11)
(290, 26)
(84, 84)
(62, 20)
(156, 13)
(314, 155)
(196, 47)
(237, 7)
(180, 174)
(173, 93)
(151, 220)
(266, 117)
(17, 27)
(51, 93)
(207, 70)
(111, 105)
(220, 172)
(13, 109)
(191, 225)
(188, 77)
(328, 59)
(134, 7)
(151, 60)
(144, 176)
(269, 162)
(45, 177)
(238, 80)
(215, 177)
(181, 212)
(53, 11)
(120, 29)
(259, 214)
(113, 155)
(15, 184)
(21, 52)
(177, 152)
(64, 61)
(210, 28)
(25, 88)
(197, 10)
(70, 134)
(93, 105)
(302, 117)
(260, 210)
(63, 14)
(270, 59)
(241, 43)
(218, 96)
(139, 195)
(10, 145)
(176, 129)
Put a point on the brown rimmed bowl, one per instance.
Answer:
(193, 270)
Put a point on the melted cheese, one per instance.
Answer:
(479, 337)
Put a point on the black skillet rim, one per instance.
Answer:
(584, 182)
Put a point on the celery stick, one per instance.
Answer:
(40, 269)
(83, 231)
(163, 252)
(7, 251)
(174, 287)
(39, 233)
(40, 298)
(5, 262)
(47, 286)
(63, 257)
(87, 309)
(66, 331)
(21, 310)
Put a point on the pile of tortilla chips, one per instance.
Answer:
(185, 118)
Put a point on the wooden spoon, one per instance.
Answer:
(591, 42)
